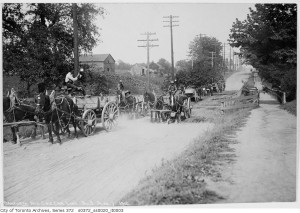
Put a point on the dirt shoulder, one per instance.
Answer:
(264, 166)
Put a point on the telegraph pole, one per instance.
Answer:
(224, 59)
(148, 45)
(230, 58)
(171, 21)
(201, 49)
(233, 54)
(75, 34)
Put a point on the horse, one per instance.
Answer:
(15, 110)
(126, 101)
(58, 113)
(153, 101)
(177, 100)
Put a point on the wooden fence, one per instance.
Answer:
(240, 102)
(279, 95)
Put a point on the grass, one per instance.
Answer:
(182, 180)
(24, 132)
(291, 107)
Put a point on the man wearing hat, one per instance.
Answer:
(172, 89)
(120, 89)
(70, 80)
(120, 86)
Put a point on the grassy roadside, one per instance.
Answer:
(182, 180)
(291, 107)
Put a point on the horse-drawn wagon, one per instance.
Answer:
(170, 108)
(96, 109)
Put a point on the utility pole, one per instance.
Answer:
(224, 59)
(212, 58)
(171, 21)
(233, 61)
(148, 45)
(201, 49)
(230, 59)
(75, 34)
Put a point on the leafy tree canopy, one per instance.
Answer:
(268, 41)
(122, 65)
(199, 70)
(38, 39)
(153, 66)
(165, 65)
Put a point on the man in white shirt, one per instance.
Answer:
(70, 80)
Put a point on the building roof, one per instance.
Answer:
(95, 57)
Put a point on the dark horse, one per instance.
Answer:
(15, 110)
(127, 102)
(153, 101)
(177, 100)
(58, 113)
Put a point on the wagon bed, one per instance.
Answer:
(96, 109)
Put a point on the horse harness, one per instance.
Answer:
(54, 106)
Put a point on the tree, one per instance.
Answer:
(153, 66)
(122, 65)
(202, 71)
(184, 65)
(38, 39)
(268, 41)
(166, 66)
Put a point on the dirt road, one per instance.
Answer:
(264, 169)
(97, 170)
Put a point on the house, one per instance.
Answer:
(101, 62)
(139, 69)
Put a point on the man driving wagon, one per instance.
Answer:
(172, 89)
(70, 82)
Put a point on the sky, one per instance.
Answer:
(124, 23)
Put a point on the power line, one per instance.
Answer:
(171, 21)
(148, 45)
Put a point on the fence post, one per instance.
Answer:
(284, 98)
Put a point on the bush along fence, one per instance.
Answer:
(279, 95)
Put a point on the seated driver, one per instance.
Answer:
(70, 80)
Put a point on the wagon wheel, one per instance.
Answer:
(164, 117)
(110, 114)
(88, 122)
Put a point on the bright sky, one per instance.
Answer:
(125, 23)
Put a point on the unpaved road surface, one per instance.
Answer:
(97, 170)
(264, 169)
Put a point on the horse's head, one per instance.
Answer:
(149, 97)
(10, 100)
(146, 96)
(6, 103)
(43, 101)
(40, 102)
